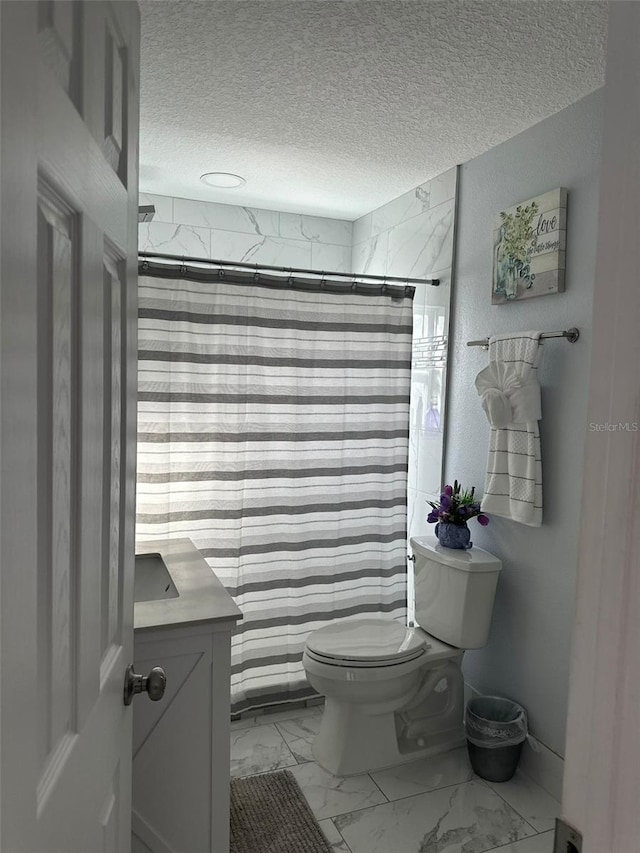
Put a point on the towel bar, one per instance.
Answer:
(571, 335)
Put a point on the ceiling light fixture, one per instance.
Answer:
(224, 180)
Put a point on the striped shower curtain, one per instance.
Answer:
(273, 432)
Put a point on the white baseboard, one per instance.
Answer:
(538, 762)
(544, 766)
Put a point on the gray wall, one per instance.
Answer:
(527, 657)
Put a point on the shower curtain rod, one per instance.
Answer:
(322, 274)
(571, 335)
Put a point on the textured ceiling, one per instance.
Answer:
(334, 108)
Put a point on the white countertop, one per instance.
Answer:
(201, 597)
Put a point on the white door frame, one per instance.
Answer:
(602, 766)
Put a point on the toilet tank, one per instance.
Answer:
(454, 592)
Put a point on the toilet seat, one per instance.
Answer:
(359, 664)
(371, 642)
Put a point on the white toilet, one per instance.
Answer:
(393, 693)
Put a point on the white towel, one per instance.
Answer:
(510, 394)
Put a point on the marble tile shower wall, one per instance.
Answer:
(232, 233)
(413, 236)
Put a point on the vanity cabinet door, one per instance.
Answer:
(181, 745)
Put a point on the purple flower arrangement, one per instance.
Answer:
(456, 506)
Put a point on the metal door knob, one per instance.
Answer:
(153, 684)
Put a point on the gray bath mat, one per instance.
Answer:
(269, 814)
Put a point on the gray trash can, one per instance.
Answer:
(496, 730)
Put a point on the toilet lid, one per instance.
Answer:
(368, 641)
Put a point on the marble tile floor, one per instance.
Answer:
(431, 806)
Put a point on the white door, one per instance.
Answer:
(602, 770)
(67, 430)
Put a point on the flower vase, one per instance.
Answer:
(453, 535)
(512, 279)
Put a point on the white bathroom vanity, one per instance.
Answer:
(183, 622)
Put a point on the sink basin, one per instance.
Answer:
(175, 586)
(152, 579)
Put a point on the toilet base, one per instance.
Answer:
(343, 746)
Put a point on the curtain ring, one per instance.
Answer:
(256, 275)
(291, 280)
(183, 267)
(145, 265)
(354, 285)
(323, 280)
(220, 273)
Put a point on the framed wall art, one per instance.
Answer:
(529, 242)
